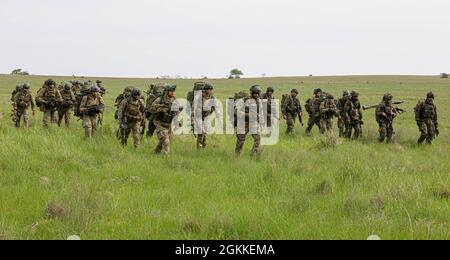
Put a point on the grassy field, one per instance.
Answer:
(302, 188)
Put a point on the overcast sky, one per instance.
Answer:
(146, 38)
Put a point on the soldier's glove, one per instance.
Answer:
(361, 122)
(437, 132)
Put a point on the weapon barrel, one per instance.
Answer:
(369, 107)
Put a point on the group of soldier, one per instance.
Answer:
(59, 101)
(155, 111)
(323, 108)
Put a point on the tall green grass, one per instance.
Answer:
(302, 188)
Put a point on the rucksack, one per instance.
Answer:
(308, 106)
(155, 92)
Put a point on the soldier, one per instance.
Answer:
(22, 102)
(385, 115)
(313, 108)
(328, 110)
(252, 104)
(342, 118)
(66, 105)
(353, 116)
(164, 110)
(203, 111)
(84, 91)
(155, 92)
(101, 87)
(76, 87)
(291, 109)
(131, 114)
(268, 99)
(127, 92)
(427, 119)
(91, 106)
(47, 99)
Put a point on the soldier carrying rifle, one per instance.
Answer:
(22, 102)
(91, 106)
(47, 100)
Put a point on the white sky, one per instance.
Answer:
(145, 38)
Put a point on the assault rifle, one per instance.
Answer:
(375, 106)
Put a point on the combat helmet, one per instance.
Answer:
(256, 89)
(294, 91)
(354, 94)
(387, 97)
(346, 93)
(270, 89)
(430, 95)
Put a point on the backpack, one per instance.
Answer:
(155, 92)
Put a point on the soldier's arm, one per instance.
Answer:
(101, 105)
(122, 109)
(284, 107)
(33, 104)
(58, 96)
(435, 117)
(142, 107)
(157, 107)
(16, 101)
(83, 105)
(40, 96)
(72, 97)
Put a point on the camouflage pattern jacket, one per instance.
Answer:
(328, 109)
(353, 113)
(385, 113)
(22, 101)
(426, 110)
(291, 106)
(164, 110)
(131, 110)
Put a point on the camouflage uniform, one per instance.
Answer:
(91, 106)
(268, 100)
(15, 91)
(342, 116)
(131, 114)
(204, 110)
(66, 105)
(291, 109)
(162, 109)
(48, 99)
(313, 108)
(76, 87)
(427, 119)
(22, 102)
(245, 112)
(354, 116)
(385, 115)
(155, 92)
(327, 111)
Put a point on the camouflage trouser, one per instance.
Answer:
(49, 117)
(343, 127)
(164, 132)
(89, 124)
(386, 132)
(427, 131)
(22, 114)
(326, 124)
(290, 121)
(136, 129)
(66, 114)
(312, 121)
(241, 141)
(269, 120)
(356, 128)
